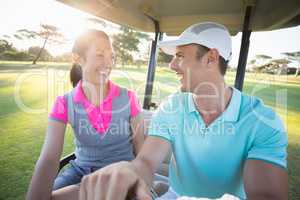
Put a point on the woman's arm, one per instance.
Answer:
(48, 163)
(138, 136)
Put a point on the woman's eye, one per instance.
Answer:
(100, 55)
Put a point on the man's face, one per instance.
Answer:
(190, 69)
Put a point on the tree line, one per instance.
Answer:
(126, 45)
(266, 64)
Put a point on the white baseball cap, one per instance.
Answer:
(209, 34)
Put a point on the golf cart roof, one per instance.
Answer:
(174, 16)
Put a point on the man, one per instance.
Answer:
(222, 140)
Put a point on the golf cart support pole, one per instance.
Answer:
(151, 67)
(240, 73)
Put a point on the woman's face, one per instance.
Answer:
(98, 62)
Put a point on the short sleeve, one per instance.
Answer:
(135, 106)
(162, 120)
(59, 110)
(270, 146)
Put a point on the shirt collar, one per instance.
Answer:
(79, 96)
(191, 103)
(232, 111)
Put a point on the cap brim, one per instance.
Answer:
(169, 47)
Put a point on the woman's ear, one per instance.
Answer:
(76, 58)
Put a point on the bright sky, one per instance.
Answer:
(16, 14)
(29, 14)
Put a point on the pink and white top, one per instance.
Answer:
(99, 116)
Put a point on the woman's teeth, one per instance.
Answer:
(102, 73)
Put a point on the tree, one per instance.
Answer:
(163, 57)
(9, 52)
(279, 66)
(66, 57)
(48, 33)
(15, 55)
(38, 51)
(126, 43)
(260, 62)
(294, 56)
(5, 46)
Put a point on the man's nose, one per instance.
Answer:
(173, 64)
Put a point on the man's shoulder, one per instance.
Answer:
(254, 108)
(172, 106)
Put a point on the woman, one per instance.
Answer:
(105, 117)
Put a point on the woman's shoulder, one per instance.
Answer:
(118, 89)
(59, 109)
(135, 106)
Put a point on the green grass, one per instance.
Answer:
(22, 132)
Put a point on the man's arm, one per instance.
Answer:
(118, 180)
(151, 157)
(264, 181)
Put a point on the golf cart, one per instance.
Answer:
(173, 16)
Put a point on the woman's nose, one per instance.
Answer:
(109, 62)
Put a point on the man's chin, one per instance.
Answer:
(183, 89)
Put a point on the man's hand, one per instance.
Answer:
(114, 182)
(124, 180)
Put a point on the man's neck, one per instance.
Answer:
(212, 100)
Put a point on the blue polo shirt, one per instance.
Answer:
(208, 161)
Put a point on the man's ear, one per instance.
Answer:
(213, 56)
